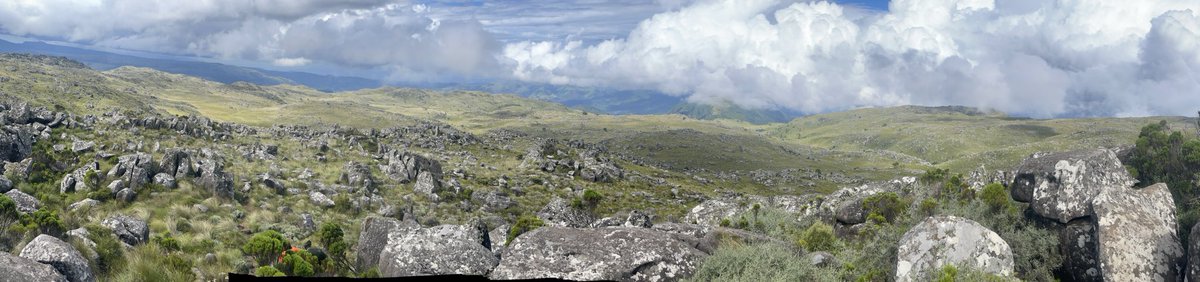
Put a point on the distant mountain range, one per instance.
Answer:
(600, 100)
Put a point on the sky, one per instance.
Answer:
(1039, 58)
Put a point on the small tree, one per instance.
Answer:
(265, 246)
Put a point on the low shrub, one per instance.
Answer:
(818, 237)
(524, 224)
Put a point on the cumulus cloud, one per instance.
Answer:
(370, 34)
(1028, 57)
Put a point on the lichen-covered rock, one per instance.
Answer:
(320, 199)
(1077, 242)
(1136, 235)
(176, 162)
(5, 184)
(447, 249)
(16, 142)
(1061, 186)
(357, 175)
(941, 240)
(373, 237)
(14, 269)
(83, 204)
(60, 255)
(136, 169)
(492, 201)
(596, 168)
(126, 195)
(427, 186)
(1193, 257)
(617, 254)
(560, 213)
(210, 168)
(82, 146)
(25, 203)
(638, 218)
(165, 180)
(131, 230)
(404, 167)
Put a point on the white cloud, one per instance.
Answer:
(369, 34)
(1038, 58)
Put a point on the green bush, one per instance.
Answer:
(935, 175)
(760, 262)
(298, 263)
(45, 221)
(268, 271)
(167, 242)
(109, 250)
(818, 237)
(995, 196)
(886, 205)
(949, 273)
(8, 209)
(928, 207)
(265, 246)
(591, 198)
(524, 224)
(183, 226)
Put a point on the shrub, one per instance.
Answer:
(760, 262)
(183, 226)
(45, 221)
(109, 250)
(265, 246)
(298, 263)
(928, 206)
(886, 205)
(956, 188)
(995, 196)
(935, 175)
(167, 242)
(524, 224)
(268, 271)
(331, 237)
(8, 209)
(818, 237)
(591, 198)
(949, 273)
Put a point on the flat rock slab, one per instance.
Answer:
(14, 268)
(941, 240)
(1136, 234)
(615, 253)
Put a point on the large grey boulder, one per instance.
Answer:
(60, 255)
(25, 203)
(1136, 234)
(17, 269)
(131, 230)
(176, 162)
(446, 249)
(1077, 242)
(616, 253)
(373, 237)
(560, 213)
(320, 199)
(942, 240)
(1193, 256)
(1061, 186)
(16, 142)
(77, 179)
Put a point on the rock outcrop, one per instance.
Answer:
(373, 237)
(25, 203)
(60, 255)
(1077, 242)
(560, 213)
(211, 175)
(1193, 256)
(14, 268)
(404, 167)
(357, 175)
(1061, 186)
(616, 254)
(941, 240)
(135, 169)
(440, 250)
(1136, 236)
(130, 230)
